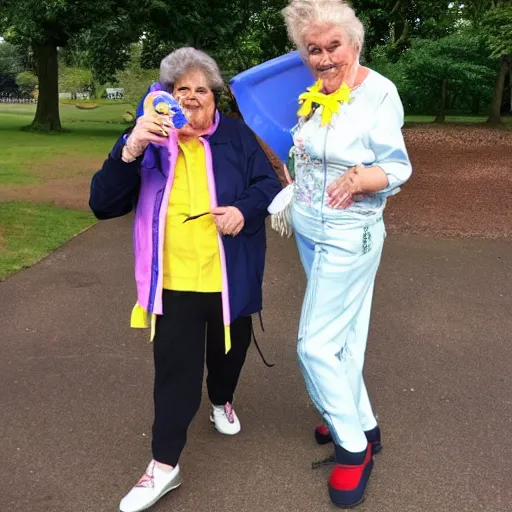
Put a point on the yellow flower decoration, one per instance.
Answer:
(330, 102)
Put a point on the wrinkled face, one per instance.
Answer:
(330, 55)
(197, 100)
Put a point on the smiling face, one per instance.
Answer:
(331, 56)
(193, 92)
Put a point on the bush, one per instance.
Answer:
(460, 60)
(134, 79)
(86, 102)
(27, 82)
(75, 81)
(86, 106)
(129, 116)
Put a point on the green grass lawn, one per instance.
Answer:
(28, 232)
(104, 113)
(91, 134)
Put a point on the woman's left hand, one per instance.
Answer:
(228, 219)
(342, 191)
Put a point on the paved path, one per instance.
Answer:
(75, 382)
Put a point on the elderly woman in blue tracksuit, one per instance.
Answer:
(348, 158)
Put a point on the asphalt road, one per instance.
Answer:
(76, 387)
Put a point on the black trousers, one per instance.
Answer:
(191, 326)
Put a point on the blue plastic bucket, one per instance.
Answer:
(267, 96)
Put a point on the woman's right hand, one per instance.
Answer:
(150, 128)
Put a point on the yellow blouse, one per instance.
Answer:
(191, 249)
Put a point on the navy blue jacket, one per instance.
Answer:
(243, 177)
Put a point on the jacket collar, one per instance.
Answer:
(223, 134)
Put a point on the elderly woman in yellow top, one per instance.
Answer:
(348, 158)
(201, 195)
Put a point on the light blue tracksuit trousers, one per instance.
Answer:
(341, 260)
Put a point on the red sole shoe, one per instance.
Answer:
(348, 483)
(322, 435)
(351, 499)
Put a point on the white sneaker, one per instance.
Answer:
(225, 419)
(154, 484)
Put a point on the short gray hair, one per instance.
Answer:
(178, 62)
(300, 15)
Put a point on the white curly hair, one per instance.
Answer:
(178, 62)
(301, 15)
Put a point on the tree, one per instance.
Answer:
(75, 80)
(134, 79)
(493, 20)
(46, 25)
(27, 82)
(436, 74)
(203, 25)
(262, 37)
(238, 34)
(11, 61)
(497, 26)
(396, 23)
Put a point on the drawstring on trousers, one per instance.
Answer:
(268, 365)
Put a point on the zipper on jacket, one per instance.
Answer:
(157, 211)
(324, 165)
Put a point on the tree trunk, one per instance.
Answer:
(475, 106)
(510, 89)
(495, 111)
(441, 109)
(401, 32)
(47, 117)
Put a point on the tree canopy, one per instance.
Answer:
(46, 25)
(461, 48)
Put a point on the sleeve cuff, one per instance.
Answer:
(397, 173)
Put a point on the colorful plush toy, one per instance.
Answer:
(163, 103)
